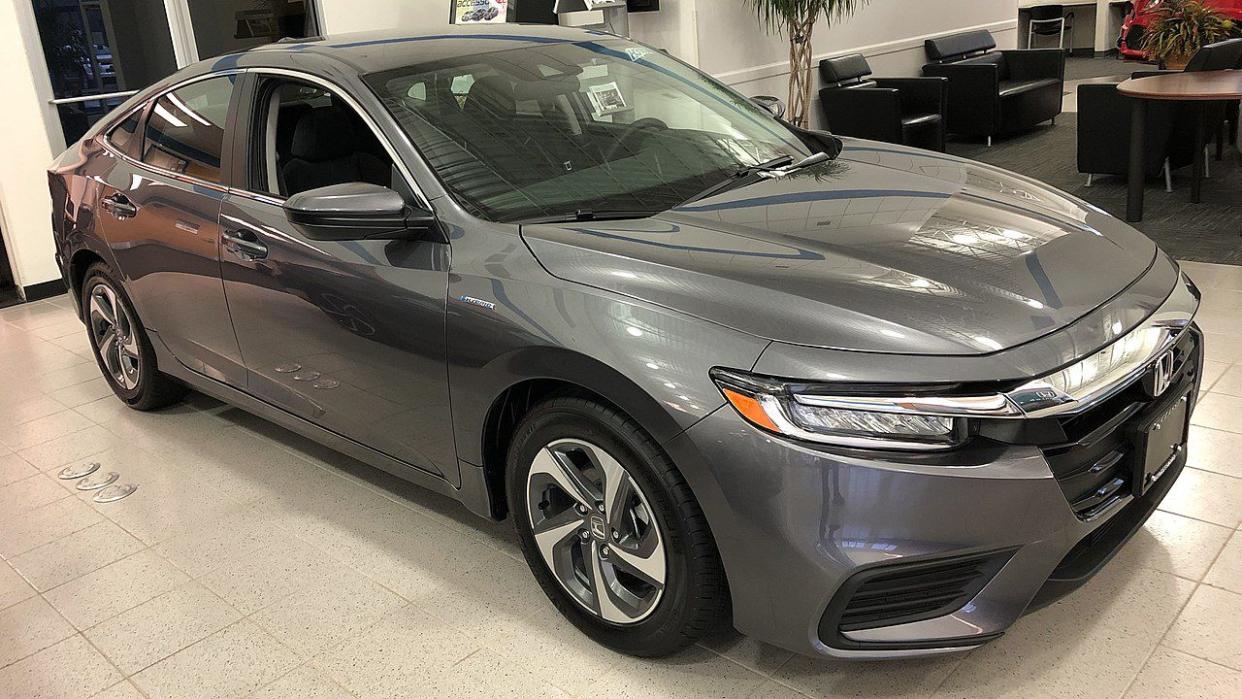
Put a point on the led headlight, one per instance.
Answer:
(916, 423)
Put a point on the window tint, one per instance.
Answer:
(185, 131)
(124, 136)
(311, 138)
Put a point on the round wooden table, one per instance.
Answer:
(1196, 88)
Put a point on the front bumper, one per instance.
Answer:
(802, 529)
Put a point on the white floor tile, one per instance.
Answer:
(45, 524)
(339, 607)
(1226, 572)
(305, 682)
(1207, 496)
(14, 468)
(1174, 544)
(231, 662)
(1208, 627)
(1170, 674)
(75, 555)
(68, 669)
(1217, 451)
(1219, 411)
(28, 627)
(13, 588)
(115, 588)
(154, 630)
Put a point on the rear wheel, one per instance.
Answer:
(121, 346)
(611, 529)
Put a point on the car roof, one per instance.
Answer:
(378, 51)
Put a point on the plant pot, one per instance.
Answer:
(1177, 62)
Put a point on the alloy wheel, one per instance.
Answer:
(596, 531)
(115, 336)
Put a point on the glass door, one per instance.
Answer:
(99, 52)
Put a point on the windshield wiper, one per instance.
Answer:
(812, 159)
(587, 215)
(776, 167)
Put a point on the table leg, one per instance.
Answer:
(1138, 127)
(1200, 117)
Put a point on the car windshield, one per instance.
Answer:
(596, 128)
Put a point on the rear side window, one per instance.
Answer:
(124, 136)
(185, 131)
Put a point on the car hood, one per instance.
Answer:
(885, 249)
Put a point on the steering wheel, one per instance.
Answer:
(642, 127)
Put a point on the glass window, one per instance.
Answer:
(311, 138)
(185, 129)
(224, 26)
(604, 126)
(124, 136)
(93, 47)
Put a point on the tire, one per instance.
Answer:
(693, 599)
(143, 388)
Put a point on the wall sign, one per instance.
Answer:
(480, 11)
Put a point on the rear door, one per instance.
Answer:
(160, 214)
(349, 335)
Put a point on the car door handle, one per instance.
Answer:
(244, 244)
(119, 206)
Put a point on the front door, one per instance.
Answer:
(162, 217)
(349, 335)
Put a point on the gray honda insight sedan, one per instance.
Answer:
(855, 399)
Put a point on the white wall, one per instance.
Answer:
(673, 28)
(341, 16)
(30, 137)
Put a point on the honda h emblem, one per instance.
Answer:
(1162, 374)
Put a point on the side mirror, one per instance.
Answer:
(357, 211)
(773, 105)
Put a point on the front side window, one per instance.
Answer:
(602, 126)
(307, 137)
(185, 129)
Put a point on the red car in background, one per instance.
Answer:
(1142, 14)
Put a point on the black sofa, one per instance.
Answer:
(996, 92)
(909, 111)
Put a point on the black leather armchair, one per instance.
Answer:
(1104, 116)
(910, 111)
(996, 92)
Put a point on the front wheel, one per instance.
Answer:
(611, 529)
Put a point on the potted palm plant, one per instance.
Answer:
(1182, 27)
(796, 20)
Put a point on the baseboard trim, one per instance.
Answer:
(44, 290)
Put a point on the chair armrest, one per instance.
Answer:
(1035, 64)
(919, 95)
(869, 112)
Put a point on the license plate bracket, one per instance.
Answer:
(1158, 443)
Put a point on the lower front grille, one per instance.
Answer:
(900, 593)
(1092, 454)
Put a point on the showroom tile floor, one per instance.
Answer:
(251, 561)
